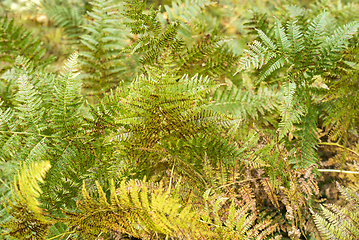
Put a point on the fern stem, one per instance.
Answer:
(60, 235)
(5, 183)
(40, 135)
(338, 145)
(99, 235)
(335, 170)
(26, 133)
(226, 185)
(170, 185)
(209, 223)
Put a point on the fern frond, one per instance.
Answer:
(209, 56)
(165, 107)
(67, 16)
(27, 222)
(257, 23)
(337, 222)
(289, 113)
(6, 126)
(67, 98)
(132, 205)
(311, 41)
(295, 36)
(101, 59)
(14, 41)
(185, 11)
(307, 137)
(189, 13)
(325, 228)
(315, 31)
(29, 107)
(236, 222)
(244, 103)
(283, 42)
(257, 55)
(273, 65)
(338, 42)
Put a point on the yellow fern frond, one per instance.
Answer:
(28, 221)
(140, 209)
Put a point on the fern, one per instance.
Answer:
(244, 103)
(158, 109)
(288, 43)
(209, 56)
(297, 47)
(67, 100)
(337, 222)
(338, 101)
(224, 162)
(67, 16)
(235, 222)
(190, 16)
(100, 57)
(46, 109)
(189, 9)
(28, 221)
(137, 209)
(289, 114)
(342, 11)
(14, 41)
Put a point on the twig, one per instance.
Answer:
(61, 235)
(338, 171)
(338, 145)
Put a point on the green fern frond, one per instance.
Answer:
(316, 31)
(209, 56)
(102, 62)
(256, 56)
(29, 105)
(273, 65)
(337, 222)
(187, 10)
(284, 45)
(312, 42)
(141, 22)
(165, 107)
(14, 41)
(67, 16)
(342, 11)
(289, 114)
(308, 141)
(243, 103)
(41, 134)
(295, 36)
(337, 43)
(326, 229)
(189, 13)
(6, 126)
(67, 99)
(258, 22)
(68, 162)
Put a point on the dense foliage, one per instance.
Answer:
(186, 119)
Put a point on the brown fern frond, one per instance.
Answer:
(270, 192)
